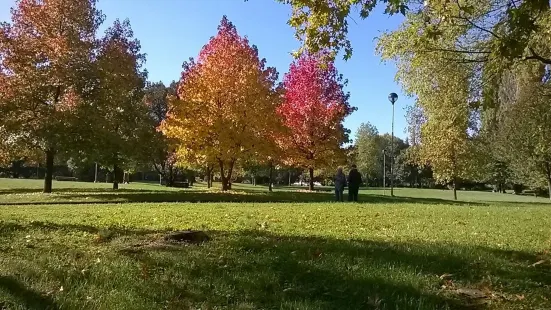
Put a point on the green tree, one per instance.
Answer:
(159, 150)
(369, 151)
(493, 31)
(120, 119)
(443, 92)
(524, 127)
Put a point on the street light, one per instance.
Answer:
(393, 97)
(384, 172)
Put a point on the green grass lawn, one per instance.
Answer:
(416, 251)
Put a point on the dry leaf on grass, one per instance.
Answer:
(446, 275)
(538, 263)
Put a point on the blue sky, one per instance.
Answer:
(171, 31)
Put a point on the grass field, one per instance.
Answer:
(87, 247)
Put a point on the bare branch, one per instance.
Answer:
(535, 56)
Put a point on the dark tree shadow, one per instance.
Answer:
(25, 296)
(70, 190)
(99, 196)
(271, 271)
(347, 274)
(10, 227)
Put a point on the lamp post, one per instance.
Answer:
(393, 97)
(384, 172)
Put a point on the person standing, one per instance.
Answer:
(354, 182)
(340, 184)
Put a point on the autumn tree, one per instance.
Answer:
(45, 67)
(120, 118)
(314, 108)
(226, 100)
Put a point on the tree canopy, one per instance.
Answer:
(218, 97)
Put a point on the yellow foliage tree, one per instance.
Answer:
(226, 101)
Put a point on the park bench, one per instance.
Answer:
(62, 178)
(181, 184)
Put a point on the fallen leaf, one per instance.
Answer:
(446, 275)
(538, 263)
(520, 297)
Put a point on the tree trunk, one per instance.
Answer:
(289, 178)
(225, 185)
(270, 189)
(208, 176)
(454, 189)
(49, 171)
(311, 170)
(230, 172)
(115, 177)
(548, 175)
(169, 178)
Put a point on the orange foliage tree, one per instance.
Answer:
(226, 101)
(45, 63)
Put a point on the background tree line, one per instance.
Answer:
(71, 99)
(479, 71)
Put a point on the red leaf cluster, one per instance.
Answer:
(314, 108)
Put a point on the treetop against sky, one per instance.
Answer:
(172, 31)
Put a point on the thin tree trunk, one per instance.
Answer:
(270, 189)
(49, 171)
(208, 177)
(289, 178)
(311, 170)
(547, 167)
(454, 189)
(115, 177)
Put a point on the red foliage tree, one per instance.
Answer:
(314, 108)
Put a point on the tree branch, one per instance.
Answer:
(535, 56)
(475, 25)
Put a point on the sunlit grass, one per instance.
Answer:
(300, 252)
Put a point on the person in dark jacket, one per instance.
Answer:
(354, 182)
(340, 184)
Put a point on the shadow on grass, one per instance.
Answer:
(113, 231)
(101, 196)
(70, 190)
(263, 270)
(24, 296)
(321, 273)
